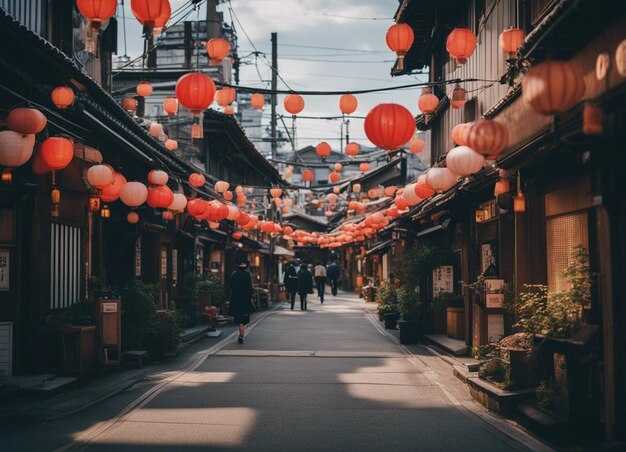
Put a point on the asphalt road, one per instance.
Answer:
(324, 379)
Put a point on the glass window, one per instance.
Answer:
(563, 234)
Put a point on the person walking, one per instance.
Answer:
(333, 276)
(290, 279)
(241, 304)
(305, 285)
(319, 272)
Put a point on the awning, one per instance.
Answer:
(278, 251)
(380, 248)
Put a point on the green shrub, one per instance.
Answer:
(187, 299)
(409, 304)
(139, 304)
(387, 299)
(214, 286)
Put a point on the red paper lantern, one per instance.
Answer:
(267, 226)
(157, 177)
(38, 165)
(26, 121)
(242, 219)
(62, 97)
(221, 186)
(458, 98)
(488, 137)
(160, 196)
(364, 167)
(130, 104)
(428, 102)
(400, 39)
(144, 89)
(170, 105)
(460, 133)
(348, 104)
(112, 191)
(196, 180)
(334, 177)
(57, 152)
(323, 149)
(422, 189)
(197, 207)
(308, 175)
(147, 11)
(228, 195)
(132, 217)
(294, 104)
(237, 235)
(218, 49)
(97, 11)
(460, 44)
(195, 91)
(225, 96)
(511, 40)
(257, 101)
(553, 87)
(416, 145)
(352, 149)
(166, 12)
(400, 202)
(389, 126)
(216, 211)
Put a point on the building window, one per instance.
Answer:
(563, 234)
(65, 268)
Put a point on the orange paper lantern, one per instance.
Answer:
(400, 39)
(57, 152)
(218, 49)
(389, 126)
(428, 102)
(348, 104)
(308, 175)
(97, 11)
(147, 11)
(334, 177)
(416, 145)
(553, 87)
(160, 196)
(225, 96)
(144, 89)
(170, 105)
(294, 104)
(196, 180)
(488, 137)
(458, 98)
(112, 191)
(364, 167)
(130, 104)
(323, 149)
(195, 91)
(511, 40)
(352, 149)
(257, 101)
(62, 97)
(26, 121)
(460, 44)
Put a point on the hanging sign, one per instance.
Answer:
(494, 299)
(138, 256)
(443, 279)
(4, 269)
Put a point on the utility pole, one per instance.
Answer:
(274, 88)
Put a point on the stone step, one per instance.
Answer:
(51, 386)
(453, 346)
(546, 424)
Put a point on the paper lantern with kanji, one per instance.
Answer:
(422, 189)
(170, 105)
(160, 196)
(179, 203)
(323, 149)
(57, 152)
(196, 180)
(389, 126)
(400, 39)
(171, 145)
(460, 44)
(294, 103)
(364, 167)
(352, 149)
(15, 148)
(62, 97)
(112, 191)
(195, 92)
(334, 177)
(99, 176)
(221, 186)
(97, 11)
(257, 101)
(416, 145)
(147, 11)
(308, 175)
(553, 87)
(440, 179)
(133, 194)
(225, 96)
(157, 177)
(458, 98)
(144, 89)
(218, 49)
(26, 121)
(428, 102)
(197, 207)
(464, 161)
(511, 40)
(130, 104)
(348, 104)
(488, 137)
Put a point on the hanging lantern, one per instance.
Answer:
(352, 149)
(390, 191)
(334, 177)
(294, 104)
(356, 188)
(129, 104)
(501, 186)
(464, 161)
(338, 167)
(38, 165)
(195, 92)
(111, 192)
(416, 145)
(440, 179)
(144, 89)
(336, 190)
(458, 98)
(218, 49)
(242, 219)
(157, 177)
(348, 104)
(460, 44)
(196, 131)
(488, 137)
(233, 212)
(170, 105)
(400, 39)
(132, 217)
(221, 186)
(237, 235)
(332, 198)
(197, 207)
(400, 202)
(171, 145)
(62, 97)
(323, 149)
(228, 195)
(155, 130)
(161, 21)
(364, 167)
(26, 121)
(229, 110)
(179, 203)
(167, 215)
(410, 196)
(553, 87)
(147, 11)
(257, 101)
(511, 40)
(196, 180)
(308, 175)
(133, 194)
(422, 189)
(216, 211)
(15, 150)
(428, 102)
(105, 212)
(99, 176)
(57, 152)
(97, 11)
(225, 96)
(160, 196)
(267, 226)
(276, 192)
(374, 193)
(460, 133)
(389, 126)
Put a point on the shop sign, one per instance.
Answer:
(443, 279)
(4, 269)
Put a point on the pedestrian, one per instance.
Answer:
(305, 285)
(319, 272)
(333, 276)
(290, 280)
(241, 304)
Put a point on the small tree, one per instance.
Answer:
(409, 304)
(387, 299)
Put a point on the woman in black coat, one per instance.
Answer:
(305, 285)
(241, 305)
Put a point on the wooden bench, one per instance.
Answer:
(135, 357)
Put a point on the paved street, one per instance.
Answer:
(325, 379)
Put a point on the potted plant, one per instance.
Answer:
(164, 334)
(387, 305)
(139, 304)
(410, 308)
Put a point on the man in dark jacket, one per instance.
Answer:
(241, 291)
(305, 285)
(290, 279)
(333, 276)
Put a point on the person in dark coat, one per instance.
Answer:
(305, 285)
(333, 276)
(241, 298)
(290, 279)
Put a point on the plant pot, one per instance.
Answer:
(409, 332)
(390, 320)
(522, 368)
(455, 322)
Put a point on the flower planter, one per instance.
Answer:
(390, 320)
(409, 332)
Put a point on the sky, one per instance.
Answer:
(355, 55)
